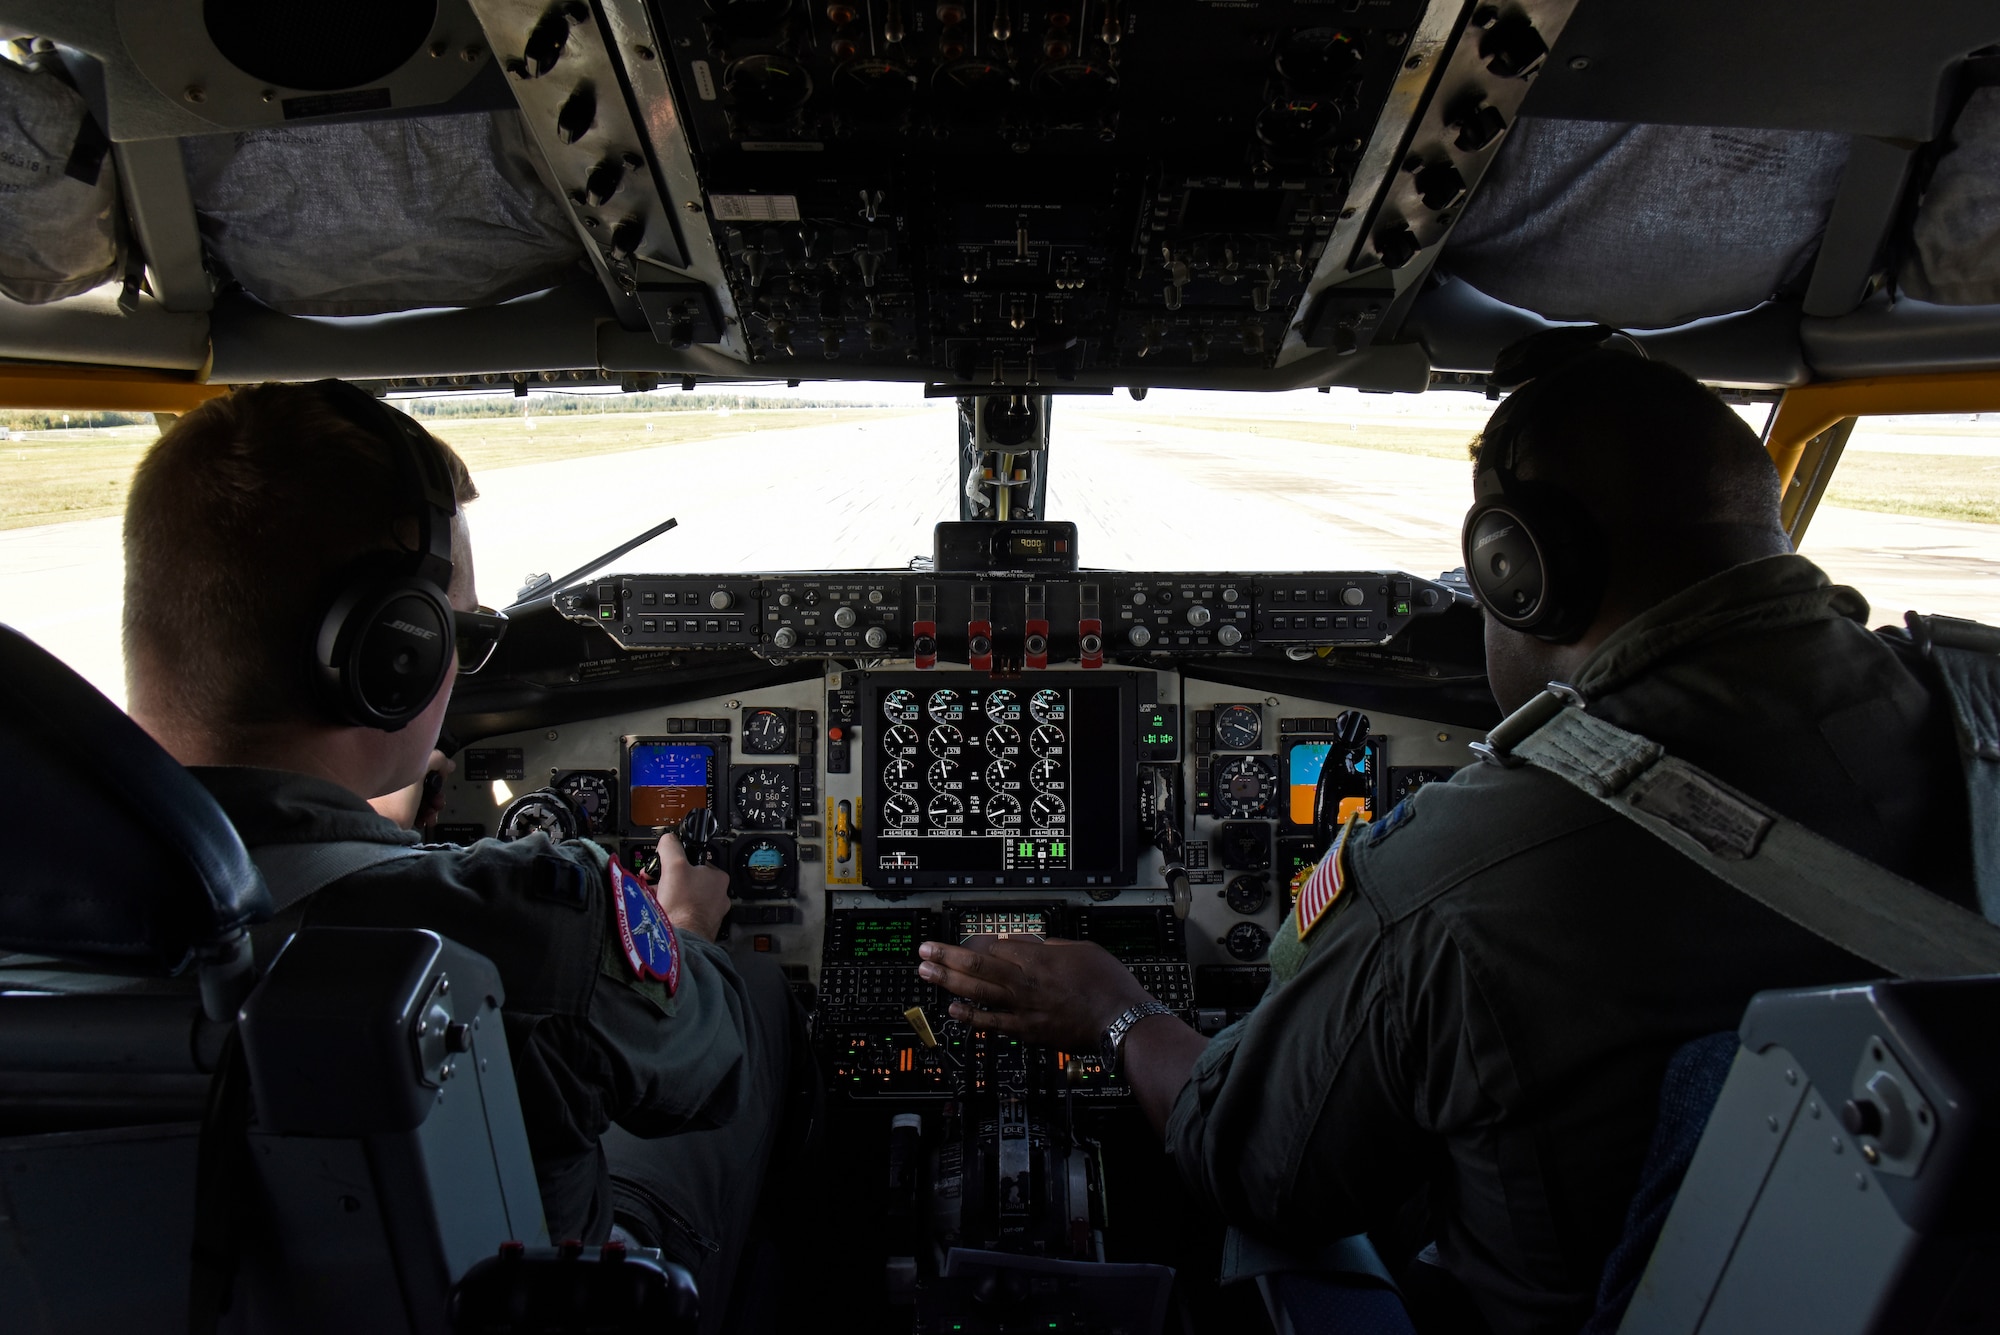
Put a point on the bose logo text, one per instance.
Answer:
(408, 629)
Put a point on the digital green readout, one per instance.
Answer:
(884, 937)
(1159, 732)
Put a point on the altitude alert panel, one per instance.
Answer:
(1014, 193)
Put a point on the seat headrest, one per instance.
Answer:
(117, 857)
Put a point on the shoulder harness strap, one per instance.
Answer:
(1857, 905)
(294, 871)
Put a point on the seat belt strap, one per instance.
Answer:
(294, 871)
(1967, 658)
(1857, 905)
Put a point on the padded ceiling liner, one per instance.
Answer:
(1645, 226)
(1954, 255)
(59, 215)
(395, 215)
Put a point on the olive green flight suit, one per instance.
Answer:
(683, 1088)
(1480, 1022)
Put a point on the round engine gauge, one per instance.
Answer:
(767, 88)
(592, 795)
(1048, 706)
(544, 811)
(874, 87)
(900, 773)
(946, 706)
(945, 807)
(1002, 705)
(1048, 810)
(1239, 727)
(1047, 741)
(766, 733)
(1002, 738)
(943, 773)
(946, 739)
(1003, 809)
(900, 705)
(1248, 894)
(900, 811)
(900, 737)
(763, 798)
(1245, 787)
(1247, 941)
(1001, 773)
(1045, 774)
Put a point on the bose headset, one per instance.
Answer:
(1532, 556)
(386, 638)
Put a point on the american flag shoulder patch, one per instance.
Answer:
(1322, 888)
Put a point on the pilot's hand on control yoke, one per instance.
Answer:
(695, 899)
(1059, 992)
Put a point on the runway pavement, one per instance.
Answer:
(1145, 495)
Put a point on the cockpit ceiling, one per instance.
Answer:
(999, 196)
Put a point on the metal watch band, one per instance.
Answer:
(1111, 1047)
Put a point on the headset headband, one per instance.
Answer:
(427, 491)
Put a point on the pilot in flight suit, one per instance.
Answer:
(1466, 1029)
(1480, 1020)
(650, 1067)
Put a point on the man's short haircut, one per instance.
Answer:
(241, 520)
(1647, 450)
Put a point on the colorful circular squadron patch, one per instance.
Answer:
(651, 948)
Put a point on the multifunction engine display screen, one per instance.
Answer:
(1023, 782)
(668, 780)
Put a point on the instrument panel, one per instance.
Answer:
(887, 789)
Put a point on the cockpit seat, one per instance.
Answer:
(328, 1148)
(1829, 1167)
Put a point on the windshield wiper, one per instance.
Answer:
(540, 584)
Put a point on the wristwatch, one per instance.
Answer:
(1112, 1044)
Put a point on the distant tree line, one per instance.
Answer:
(42, 419)
(555, 405)
(481, 406)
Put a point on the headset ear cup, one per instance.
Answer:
(384, 648)
(1533, 560)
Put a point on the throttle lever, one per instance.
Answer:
(697, 833)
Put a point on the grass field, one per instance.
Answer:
(52, 476)
(1942, 486)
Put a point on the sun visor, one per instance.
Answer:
(1645, 226)
(379, 216)
(59, 233)
(1954, 253)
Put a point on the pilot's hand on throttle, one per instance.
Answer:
(1063, 993)
(695, 899)
(418, 806)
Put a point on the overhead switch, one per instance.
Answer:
(1475, 125)
(1512, 49)
(578, 114)
(1440, 186)
(1397, 246)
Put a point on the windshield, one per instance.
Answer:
(855, 476)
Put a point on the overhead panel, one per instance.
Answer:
(1014, 194)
